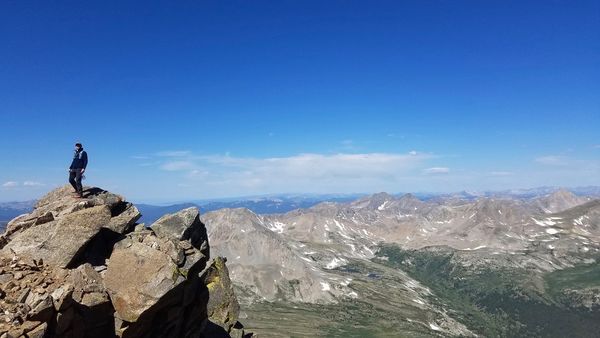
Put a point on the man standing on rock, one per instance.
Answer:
(77, 168)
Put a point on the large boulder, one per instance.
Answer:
(59, 242)
(139, 274)
(184, 225)
(150, 279)
(125, 220)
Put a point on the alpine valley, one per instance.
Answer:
(493, 265)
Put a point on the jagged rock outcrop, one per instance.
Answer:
(84, 268)
(223, 308)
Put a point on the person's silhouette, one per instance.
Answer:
(77, 168)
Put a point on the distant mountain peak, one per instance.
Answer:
(562, 193)
(381, 195)
(561, 199)
(409, 196)
(374, 201)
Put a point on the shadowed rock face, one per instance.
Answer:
(84, 268)
(223, 307)
(184, 225)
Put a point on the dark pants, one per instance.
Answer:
(75, 180)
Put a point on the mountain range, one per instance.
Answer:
(282, 203)
(445, 266)
(271, 204)
(502, 264)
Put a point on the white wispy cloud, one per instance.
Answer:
(180, 173)
(436, 171)
(318, 165)
(149, 164)
(174, 153)
(29, 184)
(553, 160)
(310, 171)
(177, 165)
(501, 173)
(33, 184)
(10, 184)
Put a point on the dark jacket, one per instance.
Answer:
(80, 160)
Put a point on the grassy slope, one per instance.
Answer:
(501, 302)
(382, 310)
(496, 302)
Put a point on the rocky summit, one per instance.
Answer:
(85, 268)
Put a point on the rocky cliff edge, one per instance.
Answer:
(85, 268)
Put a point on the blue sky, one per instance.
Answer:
(207, 99)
